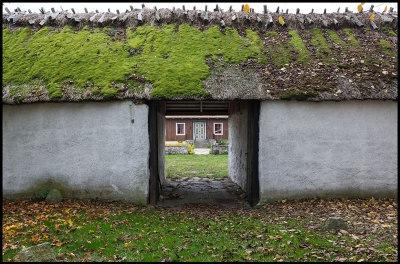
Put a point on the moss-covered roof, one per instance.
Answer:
(66, 57)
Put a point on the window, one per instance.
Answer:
(180, 128)
(218, 129)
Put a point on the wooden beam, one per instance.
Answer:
(154, 191)
(252, 181)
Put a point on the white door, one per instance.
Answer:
(199, 130)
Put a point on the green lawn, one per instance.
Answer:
(280, 231)
(206, 166)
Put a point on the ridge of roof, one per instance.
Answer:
(202, 19)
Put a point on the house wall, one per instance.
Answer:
(86, 150)
(171, 129)
(328, 149)
(237, 153)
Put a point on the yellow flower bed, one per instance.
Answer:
(190, 147)
(175, 144)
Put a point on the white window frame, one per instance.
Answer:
(222, 129)
(184, 129)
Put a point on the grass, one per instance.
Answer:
(282, 231)
(203, 166)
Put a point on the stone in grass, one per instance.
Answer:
(39, 195)
(54, 196)
(38, 253)
(336, 223)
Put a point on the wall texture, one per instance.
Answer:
(86, 150)
(329, 149)
(238, 144)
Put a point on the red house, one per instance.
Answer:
(197, 128)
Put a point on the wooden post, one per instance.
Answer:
(252, 182)
(154, 191)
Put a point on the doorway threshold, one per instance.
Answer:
(182, 192)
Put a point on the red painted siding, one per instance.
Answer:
(170, 128)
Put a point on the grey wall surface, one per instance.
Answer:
(328, 149)
(86, 150)
(237, 138)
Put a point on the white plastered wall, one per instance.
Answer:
(86, 150)
(328, 149)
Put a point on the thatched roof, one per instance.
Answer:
(191, 54)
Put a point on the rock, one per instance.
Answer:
(38, 253)
(336, 223)
(54, 196)
(39, 195)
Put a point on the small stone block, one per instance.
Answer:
(54, 196)
(336, 223)
(38, 253)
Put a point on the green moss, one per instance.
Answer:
(321, 44)
(281, 54)
(298, 44)
(54, 91)
(353, 41)
(387, 49)
(389, 31)
(297, 95)
(109, 92)
(287, 51)
(174, 62)
(366, 30)
(335, 38)
(271, 34)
